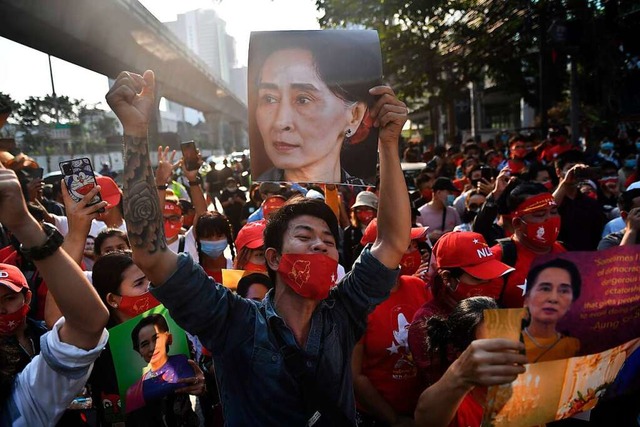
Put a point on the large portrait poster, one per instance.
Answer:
(309, 104)
(607, 311)
(557, 389)
(150, 354)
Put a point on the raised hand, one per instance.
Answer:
(13, 209)
(132, 99)
(166, 165)
(389, 114)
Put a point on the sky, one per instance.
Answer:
(25, 72)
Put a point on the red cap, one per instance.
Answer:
(272, 204)
(371, 232)
(12, 277)
(470, 252)
(109, 191)
(251, 235)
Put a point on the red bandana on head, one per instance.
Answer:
(309, 275)
(546, 232)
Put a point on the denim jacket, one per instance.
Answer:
(255, 387)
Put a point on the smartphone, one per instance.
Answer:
(79, 178)
(592, 173)
(189, 155)
(487, 172)
(32, 174)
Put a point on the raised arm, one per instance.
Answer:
(394, 216)
(132, 99)
(85, 315)
(79, 216)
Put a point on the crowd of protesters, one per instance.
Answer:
(383, 326)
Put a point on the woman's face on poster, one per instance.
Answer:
(152, 343)
(551, 295)
(302, 123)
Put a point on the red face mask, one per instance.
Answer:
(12, 321)
(132, 306)
(543, 233)
(548, 185)
(427, 194)
(171, 229)
(465, 290)
(409, 263)
(518, 153)
(365, 216)
(309, 275)
(250, 266)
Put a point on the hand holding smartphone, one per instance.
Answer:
(79, 179)
(189, 155)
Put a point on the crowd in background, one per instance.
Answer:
(518, 197)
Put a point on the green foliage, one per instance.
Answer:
(434, 48)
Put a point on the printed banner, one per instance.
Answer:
(607, 311)
(309, 102)
(150, 355)
(556, 387)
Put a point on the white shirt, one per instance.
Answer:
(46, 386)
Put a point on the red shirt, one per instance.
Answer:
(513, 293)
(469, 413)
(387, 361)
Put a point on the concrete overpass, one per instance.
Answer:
(108, 36)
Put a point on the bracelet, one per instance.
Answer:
(48, 248)
(162, 187)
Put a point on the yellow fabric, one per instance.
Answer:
(332, 199)
(565, 348)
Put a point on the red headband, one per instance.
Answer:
(535, 203)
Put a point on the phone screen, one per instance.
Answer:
(79, 179)
(487, 173)
(190, 155)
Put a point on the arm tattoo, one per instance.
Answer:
(141, 204)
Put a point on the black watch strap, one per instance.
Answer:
(53, 242)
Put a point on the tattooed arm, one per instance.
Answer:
(132, 99)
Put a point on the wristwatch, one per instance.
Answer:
(54, 241)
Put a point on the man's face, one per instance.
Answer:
(308, 234)
(153, 343)
(10, 301)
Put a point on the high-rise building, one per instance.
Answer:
(204, 32)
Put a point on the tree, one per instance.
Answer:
(433, 48)
(38, 116)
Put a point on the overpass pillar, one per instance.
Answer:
(214, 120)
(239, 136)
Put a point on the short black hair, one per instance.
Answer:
(626, 199)
(152, 319)
(564, 264)
(571, 156)
(296, 206)
(250, 279)
(104, 235)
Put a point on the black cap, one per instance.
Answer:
(444, 183)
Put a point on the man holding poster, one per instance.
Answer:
(273, 348)
(309, 105)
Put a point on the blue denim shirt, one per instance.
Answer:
(255, 387)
